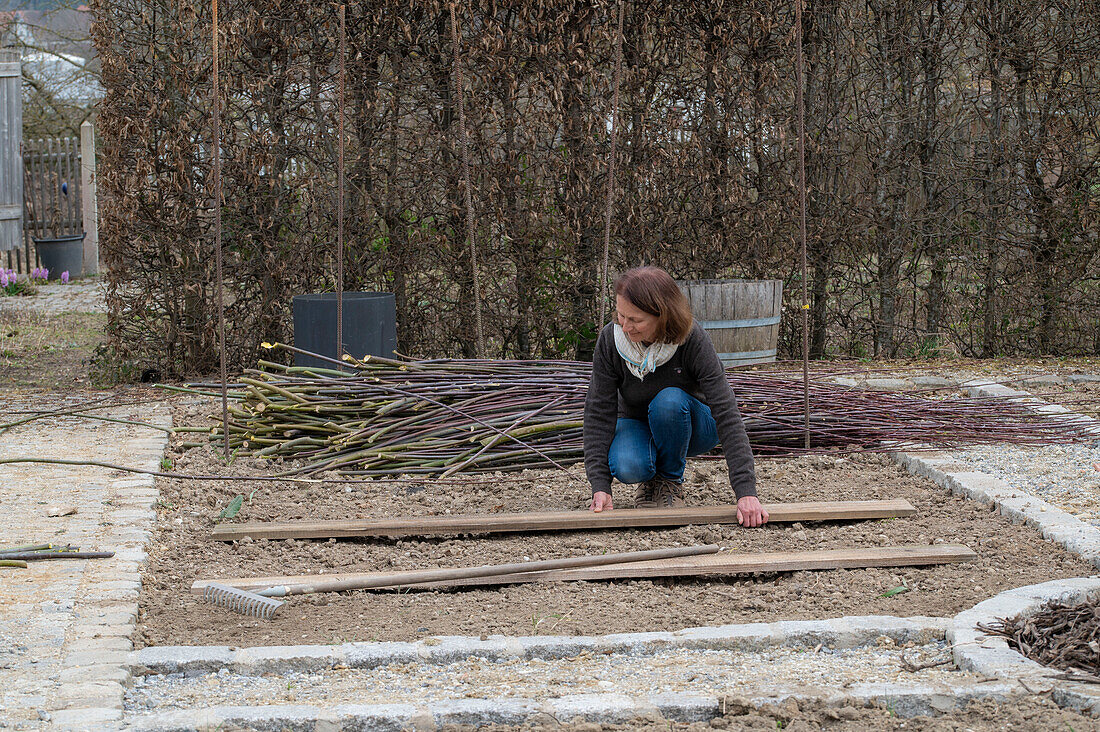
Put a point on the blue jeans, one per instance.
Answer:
(679, 426)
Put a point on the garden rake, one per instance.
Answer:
(261, 604)
(242, 601)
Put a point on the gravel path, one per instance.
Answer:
(82, 296)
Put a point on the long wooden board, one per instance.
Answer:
(723, 563)
(560, 520)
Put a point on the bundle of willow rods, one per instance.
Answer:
(384, 417)
(18, 556)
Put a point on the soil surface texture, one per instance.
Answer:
(1009, 555)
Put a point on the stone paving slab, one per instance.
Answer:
(65, 626)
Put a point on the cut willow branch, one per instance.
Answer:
(387, 417)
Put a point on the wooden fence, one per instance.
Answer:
(52, 190)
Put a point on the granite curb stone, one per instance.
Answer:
(973, 650)
(1052, 522)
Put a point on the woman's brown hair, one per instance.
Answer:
(653, 291)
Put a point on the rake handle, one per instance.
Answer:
(438, 575)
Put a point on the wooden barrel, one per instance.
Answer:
(741, 317)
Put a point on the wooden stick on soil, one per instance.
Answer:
(723, 563)
(561, 520)
(36, 556)
(315, 583)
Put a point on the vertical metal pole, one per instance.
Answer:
(219, 285)
(479, 329)
(798, 70)
(602, 292)
(340, 200)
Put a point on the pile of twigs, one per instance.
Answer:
(383, 417)
(1060, 636)
(18, 556)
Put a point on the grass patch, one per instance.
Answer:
(48, 351)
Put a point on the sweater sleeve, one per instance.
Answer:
(701, 357)
(601, 411)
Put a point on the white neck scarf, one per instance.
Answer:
(642, 360)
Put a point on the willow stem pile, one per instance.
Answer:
(385, 417)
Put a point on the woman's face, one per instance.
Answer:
(639, 326)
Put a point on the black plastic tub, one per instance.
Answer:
(370, 325)
(61, 254)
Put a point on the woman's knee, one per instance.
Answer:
(630, 467)
(670, 403)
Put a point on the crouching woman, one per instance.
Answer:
(657, 396)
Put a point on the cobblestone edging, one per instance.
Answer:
(1051, 522)
(974, 651)
(71, 621)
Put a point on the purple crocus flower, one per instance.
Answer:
(3, 278)
(65, 277)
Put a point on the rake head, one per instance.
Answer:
(241, 601)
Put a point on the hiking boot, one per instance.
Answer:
(645, 495)
(670, 494)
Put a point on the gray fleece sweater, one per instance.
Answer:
(614, 392)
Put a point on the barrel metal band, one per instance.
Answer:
(744, 323)
(745, 355)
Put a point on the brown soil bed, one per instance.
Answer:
(1035, 714)
(181, 552)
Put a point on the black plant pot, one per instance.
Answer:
(61, 254)
(370, 326)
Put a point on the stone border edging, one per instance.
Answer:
(975, 651)
(845, 632)
(1050, 521)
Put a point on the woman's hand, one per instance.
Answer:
(750, 512)
(601, 501)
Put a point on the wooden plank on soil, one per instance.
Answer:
(723, 563)
(560, 520)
